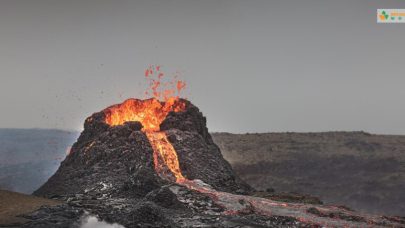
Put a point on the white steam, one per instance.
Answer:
(90, 221)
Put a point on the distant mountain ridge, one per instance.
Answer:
(363, 171)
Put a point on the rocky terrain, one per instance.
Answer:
(13, 204)
(363, 171)
(111, 173)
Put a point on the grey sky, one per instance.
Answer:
(251, 66)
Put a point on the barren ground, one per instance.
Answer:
(363, 171)
(13, 204)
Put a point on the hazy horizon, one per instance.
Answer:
(78, 131)
(257, 66)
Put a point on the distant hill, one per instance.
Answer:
(28, 157)
(357, 169)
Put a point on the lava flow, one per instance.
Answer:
(151, 113)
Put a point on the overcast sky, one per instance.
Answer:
(250, 66)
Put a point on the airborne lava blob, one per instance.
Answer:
(151, 113)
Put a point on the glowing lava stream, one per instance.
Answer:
(164, 155)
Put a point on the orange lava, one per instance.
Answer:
(164, 156)
(151, 113)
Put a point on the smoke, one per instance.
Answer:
(90, 221)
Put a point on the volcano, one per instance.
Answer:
(143, 141)
(147, 163)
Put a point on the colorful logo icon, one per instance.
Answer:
(383, 16)
(390, 15)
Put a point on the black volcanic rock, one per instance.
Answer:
(198, 155)
(118, 160)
